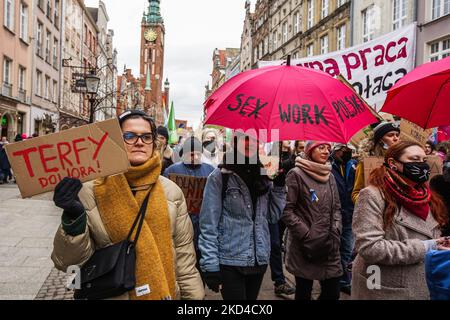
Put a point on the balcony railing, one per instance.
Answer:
(7, 89)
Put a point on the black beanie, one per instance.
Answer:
(383, 128)
(162, 131)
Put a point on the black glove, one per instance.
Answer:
(213, 280)
(66, 197)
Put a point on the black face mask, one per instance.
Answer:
(416, 171)
(210, 146)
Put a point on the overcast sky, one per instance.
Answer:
(193, 30)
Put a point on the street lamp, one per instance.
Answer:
(92, 83)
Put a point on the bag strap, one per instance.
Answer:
(140, 217)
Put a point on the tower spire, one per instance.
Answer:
(154, 12)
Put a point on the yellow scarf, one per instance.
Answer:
(118, 208)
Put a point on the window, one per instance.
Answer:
(341, 2)
(55, 52)
(399, 11)
(296, 23)
(341, 33)
(368, 23)
(55, 91)
(22, 78)
(7, 66)
(285, 32)
(38, 83)
(440, 8)
(39, 38)
(9, 14)
(47, 87)
(24, 22)
(310, 50)
(47, 46)
(266, 45)
(56, 20)
(440, 50)
(310, 14)
(275, 42)
(324, 8)
(324, 45)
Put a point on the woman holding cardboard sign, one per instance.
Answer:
(101, 213)
(397, 220)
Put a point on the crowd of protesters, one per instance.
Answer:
(320, 217)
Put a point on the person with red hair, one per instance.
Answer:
(397, 220)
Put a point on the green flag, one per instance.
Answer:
(172, 127)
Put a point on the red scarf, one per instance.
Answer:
(415, 199)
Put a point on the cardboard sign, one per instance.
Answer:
(192, 188)
(436, 164)
(371, 163)
(87, 153)
(360, 136)
(412, 132)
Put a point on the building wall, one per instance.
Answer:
(431, 32)
(46, 62)
(72, 102)
(261, 31)
(246, 40)
(382, 18)
(327, 26)
(15, 47)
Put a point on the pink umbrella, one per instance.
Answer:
(302, 103)
(423, 95)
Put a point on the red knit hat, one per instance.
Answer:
(311, 145)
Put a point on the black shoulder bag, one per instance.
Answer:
(110, 272)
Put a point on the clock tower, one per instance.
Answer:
(152, 60)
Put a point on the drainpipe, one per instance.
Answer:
(352, 17)
(33, 71)
(60, 66)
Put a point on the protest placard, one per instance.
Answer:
(88, 152)
(412, 132)
(192, 188)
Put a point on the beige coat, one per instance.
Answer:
(398, 251)
(77, 250)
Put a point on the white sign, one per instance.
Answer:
(372, 68)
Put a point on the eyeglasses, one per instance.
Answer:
(131, 138)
